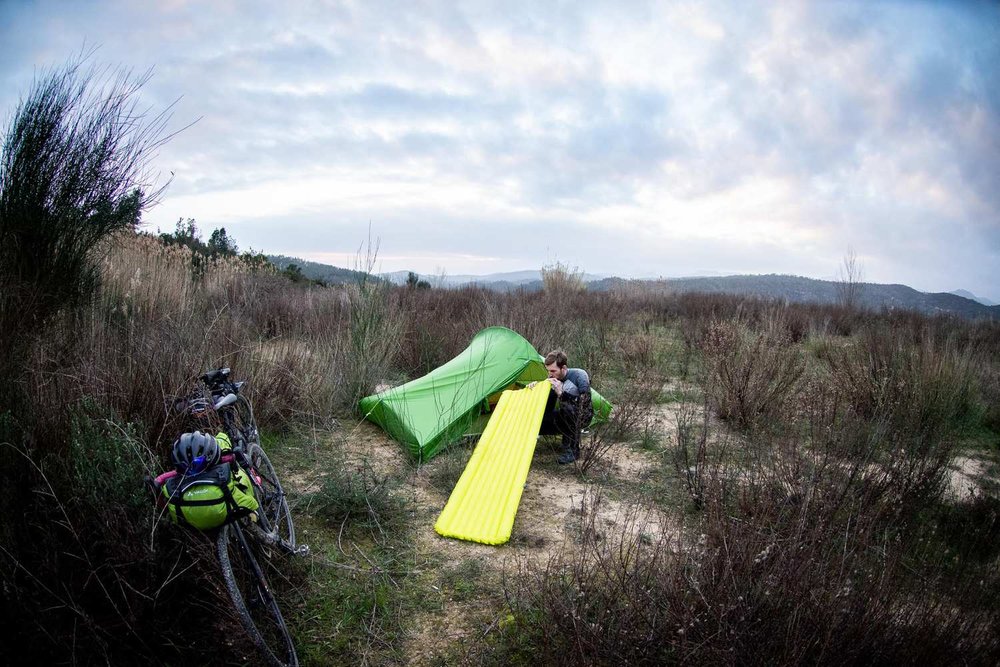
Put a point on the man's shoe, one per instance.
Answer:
(567, 457)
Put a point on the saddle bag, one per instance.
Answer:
(209, 499)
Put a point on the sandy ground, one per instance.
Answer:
(965, 476)
(553, 503)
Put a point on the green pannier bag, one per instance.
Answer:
(209, 499)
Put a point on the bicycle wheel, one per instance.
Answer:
(272, 499)
(245, 411)
(256, 606)
(240, 424)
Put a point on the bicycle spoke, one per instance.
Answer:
(274, 504)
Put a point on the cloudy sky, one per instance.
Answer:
(624, 138)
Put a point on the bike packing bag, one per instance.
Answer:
(225, 444)
(209, 499)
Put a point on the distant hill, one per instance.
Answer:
(969, 295)
(808, 290)
(508, 280)
(790, 288)
(331, 275)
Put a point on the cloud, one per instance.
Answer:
(625, 138)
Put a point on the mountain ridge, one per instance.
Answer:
(790, 288)
(512, 277)
(969, 295)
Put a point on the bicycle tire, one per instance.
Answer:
(248, 425)
(240, 425)
(252, 597)
(272, 498)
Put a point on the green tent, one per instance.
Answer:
(429, 412)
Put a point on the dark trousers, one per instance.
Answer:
(566, 417)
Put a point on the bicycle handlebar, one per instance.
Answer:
(217, 376)
(218, 383)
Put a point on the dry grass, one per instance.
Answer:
(823, 509)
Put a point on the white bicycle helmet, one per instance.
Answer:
(194, 452)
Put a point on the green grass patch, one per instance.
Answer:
(681, 395)
(445, 469)
(351, 599)
(464, 581)
(355, 598)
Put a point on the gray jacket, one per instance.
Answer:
(576, 383)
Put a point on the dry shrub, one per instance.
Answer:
(813, 545)
(752, 376)
(440, 323)
(631, 402)
(633, 396)
(291, 382)
(689, 454)
(989, 384)
(635, 351)
(561, 281)
(794, 559)
(600, 330)
(520, 311)
(921, 390)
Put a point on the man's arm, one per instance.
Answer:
(577, 382)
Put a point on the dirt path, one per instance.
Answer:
(965, 476)
(547, 525)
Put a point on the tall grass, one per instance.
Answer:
(97, 422)
(819, 509)
(793, 556)
(752, 375)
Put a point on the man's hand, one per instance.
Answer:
(556, 386)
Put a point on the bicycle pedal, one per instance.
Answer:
(302, 550)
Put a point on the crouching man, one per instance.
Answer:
(569, 409)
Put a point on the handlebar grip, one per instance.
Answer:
(162, 478)
(153, 487)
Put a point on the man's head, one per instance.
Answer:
(555, 364)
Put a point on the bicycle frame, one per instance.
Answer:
(236, 414)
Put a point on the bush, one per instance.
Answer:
(631, 403)
(361, 498)
(989, 387)
(83, 565)
(71, 173)
(689, 454)
(922, 387)
(795, 559)
(752, 376)
(560, 280)
(373, 334)
(76, 560)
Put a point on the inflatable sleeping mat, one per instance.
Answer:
(484, 502)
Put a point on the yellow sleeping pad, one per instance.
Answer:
(483, 503)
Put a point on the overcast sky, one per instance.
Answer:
(623, 138)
